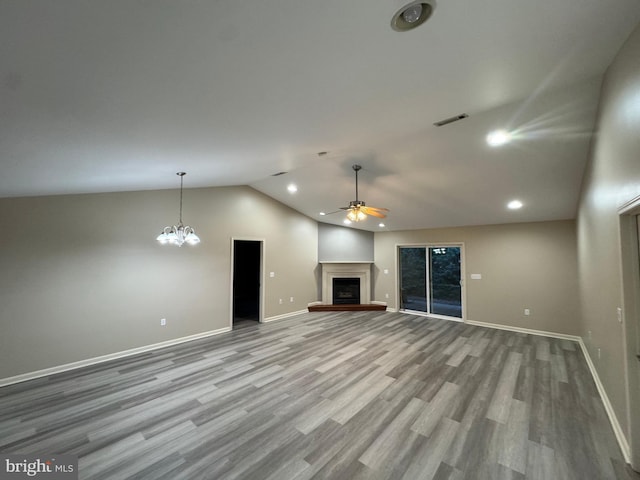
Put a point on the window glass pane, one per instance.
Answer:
(446, 293)
(413, 278)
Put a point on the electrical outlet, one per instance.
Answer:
(280, 301)
(527, 311)
(619, 313)
(599, 354)
(272, 274)
(163, 322)
(291, 299)
(386, 295)
(589, 333)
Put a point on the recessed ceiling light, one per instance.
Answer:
(346, 221)
(322, 214)
(292, 188)
(514, 204)
(412, 15)
(381, 225)
(498, 137)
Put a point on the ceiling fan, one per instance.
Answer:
(357, 209)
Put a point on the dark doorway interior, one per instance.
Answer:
(246, 281)
(346, 291)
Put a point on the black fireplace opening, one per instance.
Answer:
(346, 291)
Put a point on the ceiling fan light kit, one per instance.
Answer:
(412, 15)
(178, 234)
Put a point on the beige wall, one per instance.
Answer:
(612, 178)
(82, 275)
(527, 265)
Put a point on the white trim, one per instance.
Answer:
(346, 261)
(629, 207)
(360, 270)
(617, 429)
(285, 315)
(542, 333)
(431, 315)
(105, 358)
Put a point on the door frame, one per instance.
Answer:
(463, 289)
(628, 216)
(261, 277)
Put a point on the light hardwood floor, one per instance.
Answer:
(340, 395)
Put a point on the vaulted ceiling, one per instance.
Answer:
(121, 94)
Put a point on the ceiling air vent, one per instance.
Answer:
(449, 120)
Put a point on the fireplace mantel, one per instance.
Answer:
(361, 270)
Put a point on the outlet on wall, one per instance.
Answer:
(280, 301)
(527, 311)
(291, 299)
(163, 322)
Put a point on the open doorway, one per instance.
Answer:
(629, 217)
(247, 282)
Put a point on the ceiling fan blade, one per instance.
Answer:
(374, 212)
(378, 209)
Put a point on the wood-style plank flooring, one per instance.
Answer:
(339, 395)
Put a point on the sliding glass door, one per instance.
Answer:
(430, 280)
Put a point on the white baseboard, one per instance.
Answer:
(613, 419)
(542, 333)
(284, 315)
(105, 358)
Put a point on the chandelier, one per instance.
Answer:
(179, 234)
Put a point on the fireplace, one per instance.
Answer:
(346, 291)
(360, 271)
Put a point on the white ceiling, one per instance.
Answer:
(121, 94)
